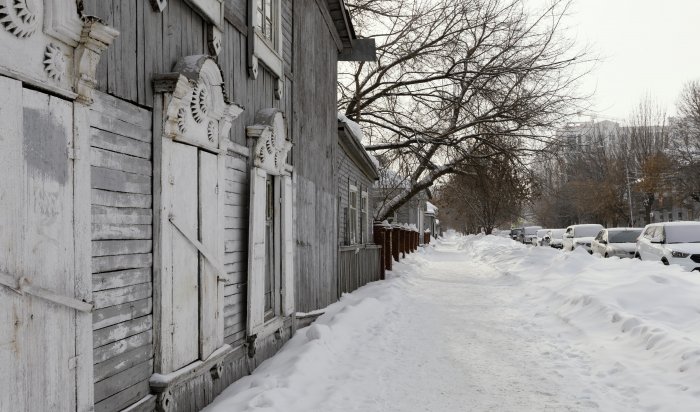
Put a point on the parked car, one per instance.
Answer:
(516, 234)
(671, 243)
(539, 238)
(619, 241)
(580, 236)
(554, 238)
(529, 232)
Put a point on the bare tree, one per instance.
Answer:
(685, 143)
(646, 140)
(490, 195)
(453, 76)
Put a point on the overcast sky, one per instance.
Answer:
(647, 47)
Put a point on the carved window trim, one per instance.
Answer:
(211, 10)
(260, 49)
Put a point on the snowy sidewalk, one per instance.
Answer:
(485, 324)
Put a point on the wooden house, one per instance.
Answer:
(168, 196)
(431, 224)
(359, 260)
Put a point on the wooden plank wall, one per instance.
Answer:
(149, 43)
(120, 156)
(316, 131)
(357, 266)
(236, 248)
(350, 174)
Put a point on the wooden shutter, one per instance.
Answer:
(287, 245)
(184, 256)
(37, 335)
(256, 251)
(210, 337)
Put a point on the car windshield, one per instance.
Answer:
(683, 234)
(624, 236)
(587, 231)
(557, 233)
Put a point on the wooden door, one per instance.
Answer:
(37, 335)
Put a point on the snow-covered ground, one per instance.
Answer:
(483, 323)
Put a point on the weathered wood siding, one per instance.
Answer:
(349, 174)
(357, 266)
(149, 43)
(236, 202)
(120, 155)
(315, 131)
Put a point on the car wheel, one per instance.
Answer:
(664, 261)
(606, 255)
(637, 256)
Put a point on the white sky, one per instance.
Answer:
(647, 47)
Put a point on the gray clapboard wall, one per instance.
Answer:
(120, 155)
(149, 43)
(316, 131)
(349, 174)
(236, 248)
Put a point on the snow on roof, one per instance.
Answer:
(430, 208)
(354, 128)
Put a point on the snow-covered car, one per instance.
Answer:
(539, 237)
(619, 241)
(529, 232)
(554, 238)
(515, 233)
(671, 243)
(580, 236)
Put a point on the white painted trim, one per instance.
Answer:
(61, 21)
(211, 10)
(82, 218)
(287, 250)
(262, 51)
(256, 251)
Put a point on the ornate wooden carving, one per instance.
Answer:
(159, 5)
(54, 62)
(271, 147)
(198, 111)
(94, 39)
(20, 17)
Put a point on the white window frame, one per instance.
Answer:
(269, 53)
(353, 214)
(364, 219)
(270, 144)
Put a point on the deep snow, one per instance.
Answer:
(482, 323)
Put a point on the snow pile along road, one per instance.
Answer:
(482, 323)
(643, 318)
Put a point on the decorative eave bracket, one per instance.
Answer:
(94, 39)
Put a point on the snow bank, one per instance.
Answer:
(290, 380)
(638, 312)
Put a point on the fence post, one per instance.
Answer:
(396, 241)
(388, 255)
(404, 243)
(379, 239)
(426, 237)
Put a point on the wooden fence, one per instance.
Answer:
(357, 266)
